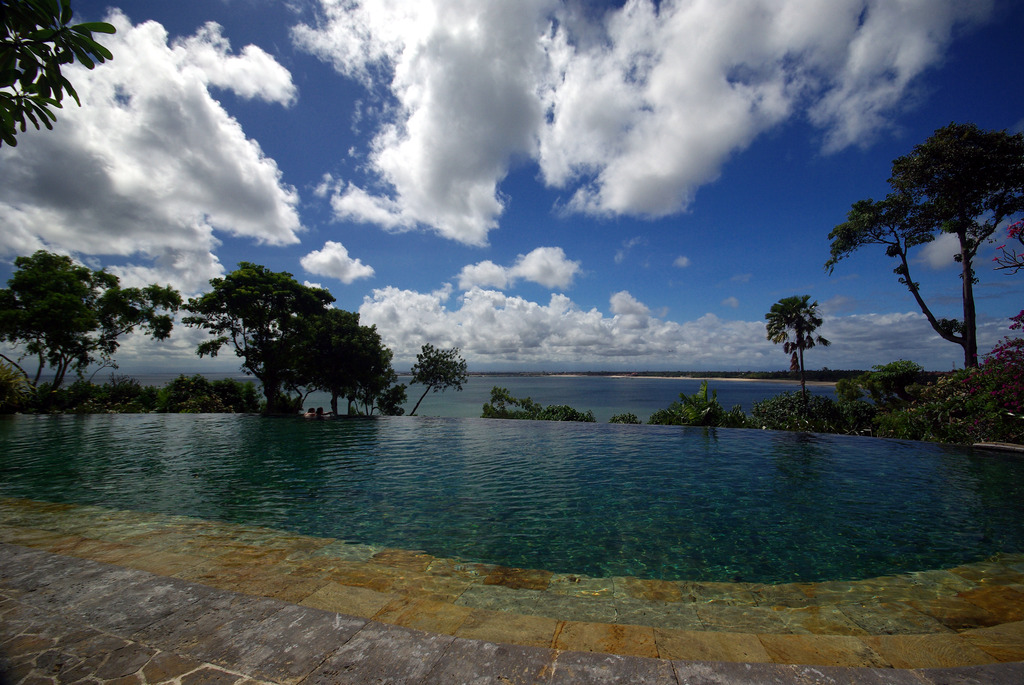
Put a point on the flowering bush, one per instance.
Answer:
(985, 404)
(1008, 257)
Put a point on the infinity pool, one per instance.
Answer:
(596, 499)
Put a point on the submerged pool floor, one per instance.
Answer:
(968, 615)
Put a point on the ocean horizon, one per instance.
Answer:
(605, 395)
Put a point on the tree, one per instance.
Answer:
(68, 316)
(438, 370)
(962, 181)
(265, 316)
(374, 384)
(794, 314)
(36, 39)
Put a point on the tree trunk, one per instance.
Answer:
(413, 412)
(803, 384)
(970, 334)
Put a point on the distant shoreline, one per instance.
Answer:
(716, 379)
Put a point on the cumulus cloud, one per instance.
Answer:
(681, 262)
(731, 302)
(629, 112)
(494, 329)
(547, 266)
(152, 167)
(939, 253)
(334, 261)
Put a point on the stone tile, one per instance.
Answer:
(574, 585)
(498, 598)
(454, 568)
(826, 650)
(382, 654)
(651, 590)
(162, 563)
(519, 578)
(989, 573)
(735, 594)
(1004, 604)
(704, 673)
(428, 586)
(892, 619)
(127, 608)
(677, 615)
(741, 619)
(926, 651)
(437, 617)
(818, 620)
(501, 626)
(404, 559)
(572, 668)
(286, 646)
(1004, 642)
(955, 613)
(783, 594)
(339, 550)
(165, 666)
(472, 661)
(355, 601)
(125, 661)
(607, 638)
(191, 626)
(995, 674)
(691, 645)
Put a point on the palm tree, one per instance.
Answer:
(796, 315)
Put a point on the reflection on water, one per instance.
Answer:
(603, 500)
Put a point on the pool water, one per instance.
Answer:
(596, 499)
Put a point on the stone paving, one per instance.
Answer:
(91, 594)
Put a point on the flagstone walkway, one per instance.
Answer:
(158, 598)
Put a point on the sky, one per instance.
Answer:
(545, 184)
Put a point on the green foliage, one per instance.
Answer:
(119, 395)
(265, 316)
(438, 370)
(889, 385)
(963, 181)
(792, 411)
(36, 39)
(198, 395)
(624, 418)
(504, 406)
(68, 316)
(15, 390)
(699, 410)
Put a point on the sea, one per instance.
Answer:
(606, 396)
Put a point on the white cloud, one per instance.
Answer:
(939, 253)
(629, 112)
(547, 266)
(334, 261)
(152, 167)
(681, 262)
(463, 77)
(731, 302)
(496, 330)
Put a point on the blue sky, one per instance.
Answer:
(546, 185)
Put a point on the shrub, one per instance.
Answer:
(241, 398)
(888, 385)
(818, 414)
(699, 410)
(504, 406)
(624, 418)
(15, 390)
(190, 395)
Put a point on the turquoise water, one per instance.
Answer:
(596, 499)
